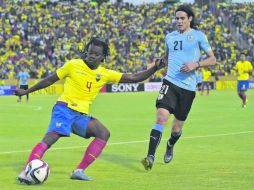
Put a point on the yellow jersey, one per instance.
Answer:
(243, 68)
(83, 84)
(206, 75)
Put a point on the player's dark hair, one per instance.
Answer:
(188, 10)
(98, 42)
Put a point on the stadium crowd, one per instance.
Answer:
(242, 18)
(41, 35)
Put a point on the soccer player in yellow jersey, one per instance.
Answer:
(244, 68)
(83, 80)
(206, 75)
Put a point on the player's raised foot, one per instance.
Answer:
(80, 175)
(169, 153)
(148, 162)
(23, 179)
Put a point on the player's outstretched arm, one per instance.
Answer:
(40, 85)
(143, 75)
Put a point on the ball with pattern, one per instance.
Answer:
(37, 171)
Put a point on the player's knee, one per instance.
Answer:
(104, 134)
(107, 135)
(162, 116)
(161, 120)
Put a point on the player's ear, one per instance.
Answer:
(190, 18)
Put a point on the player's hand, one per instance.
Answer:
(160, 63)
(19, 92)
(188, 67)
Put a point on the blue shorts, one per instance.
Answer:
(242, 85)
(65, 121)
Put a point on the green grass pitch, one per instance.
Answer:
(215, 152)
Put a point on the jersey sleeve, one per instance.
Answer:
(203, 43)
(63, 71)
(114, 76)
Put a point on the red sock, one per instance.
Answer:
(38, 151)
(92, 152)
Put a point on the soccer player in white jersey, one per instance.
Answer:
(84, 79)
(177, 93)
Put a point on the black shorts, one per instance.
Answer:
(176, 100)
(25, 87)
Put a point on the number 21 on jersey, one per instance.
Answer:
(178, 45)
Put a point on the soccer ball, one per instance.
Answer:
(37, 171)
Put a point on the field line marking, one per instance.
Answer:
(132, 142)
(37, 108)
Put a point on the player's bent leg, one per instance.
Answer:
(93, 151)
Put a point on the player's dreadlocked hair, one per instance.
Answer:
(98, 42)
(187, 9)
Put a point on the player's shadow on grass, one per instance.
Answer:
(125, 161)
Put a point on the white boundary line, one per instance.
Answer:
(37, 108)
(133, 142)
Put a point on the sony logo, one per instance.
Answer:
(125, 87)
